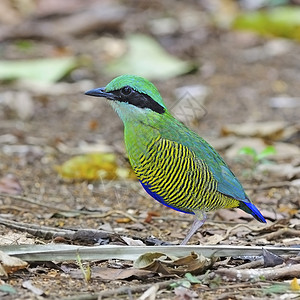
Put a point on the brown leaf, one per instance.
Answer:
(11, 264)
(167, 265)
(117, 274)
(27, 284)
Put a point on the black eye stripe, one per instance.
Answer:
(129, 95)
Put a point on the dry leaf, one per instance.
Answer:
(167, 265)
(93, 166)
(27, 284)
(281, 171)
(270, 130)
(118, 274)
(11, 264)
(271, 259)
(131, 242)
(150, 294)
(214, 239)
(295, 285)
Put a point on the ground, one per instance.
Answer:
(241, 84)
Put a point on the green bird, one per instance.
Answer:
(175, 166)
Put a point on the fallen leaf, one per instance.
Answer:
(7, 288)
(282, 21)
(134, 62)
(165, 264)
(272, 130)
(150, 294)
(118, 274)
(271, 259)
(280, 171)
(27, 284)
(276, 289)
(90, 166)
(131, 242)
(44, 69)
(11, 264)
(295, 285)
(214, 239)
(93, 166)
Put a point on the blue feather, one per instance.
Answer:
(251, 209)
(160, 199)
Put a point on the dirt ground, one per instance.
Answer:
(242, 74)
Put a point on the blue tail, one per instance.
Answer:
(252, 210)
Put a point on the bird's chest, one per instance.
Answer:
(140, 144)
(163, 160)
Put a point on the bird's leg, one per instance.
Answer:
(200, 218)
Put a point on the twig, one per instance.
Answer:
(283, 231)
(228, 232)
(45, 232)
(83, 212)
(274, 273)
(251, 265)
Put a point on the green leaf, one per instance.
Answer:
(6, 288)
(248, 151)
(191, 278)
(47, 70)
(24, 45)
(146, 58)
(269, 150)
(281, 21)
(276, 289)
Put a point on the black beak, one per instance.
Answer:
(100, 92)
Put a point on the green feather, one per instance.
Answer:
(139, 84)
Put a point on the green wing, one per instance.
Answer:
(228, 184)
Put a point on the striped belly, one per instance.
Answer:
(172, 175)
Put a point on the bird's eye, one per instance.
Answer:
(126, 90)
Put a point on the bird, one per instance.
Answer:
(175, 166)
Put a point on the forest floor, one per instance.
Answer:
(245, 75)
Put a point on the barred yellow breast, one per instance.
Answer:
(174, 176)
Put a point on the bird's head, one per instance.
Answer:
(132, 97)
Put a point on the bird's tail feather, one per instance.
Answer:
(252, 210)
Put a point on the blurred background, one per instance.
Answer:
(228, 69)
